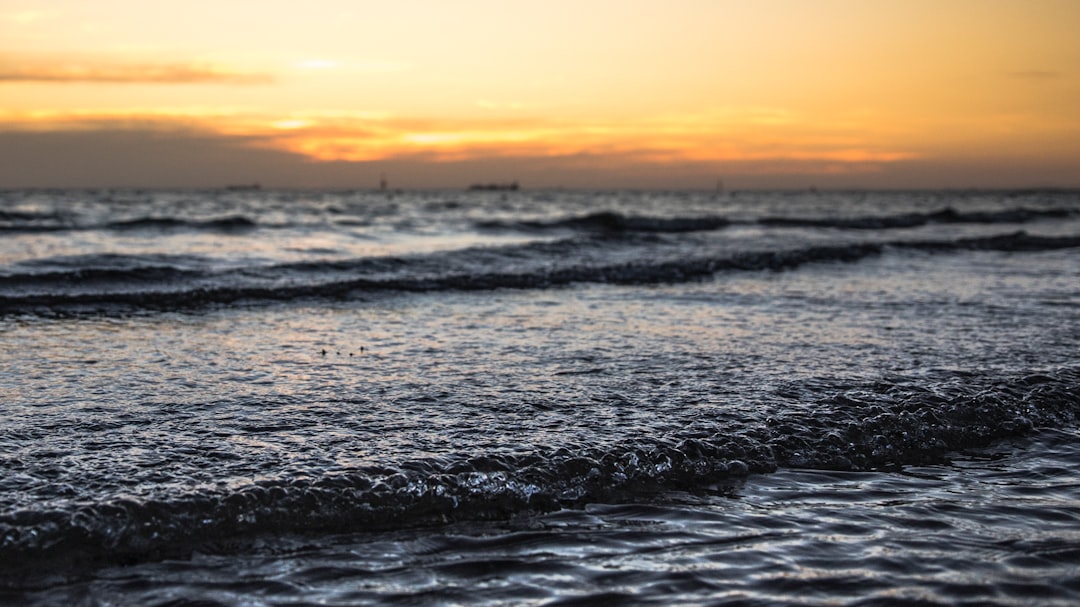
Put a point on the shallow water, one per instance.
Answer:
(340, 398)
(996, 526)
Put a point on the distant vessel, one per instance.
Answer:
(243, 187)
(494, 187)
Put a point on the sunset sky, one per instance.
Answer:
(588, 93)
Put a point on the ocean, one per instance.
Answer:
(539, 398)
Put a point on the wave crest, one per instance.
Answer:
(889, 424)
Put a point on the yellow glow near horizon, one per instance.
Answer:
(840, 84)
(317, 64)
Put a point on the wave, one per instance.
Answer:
(614, 222)
(33, 227)
(14, 223)
(102, 271)
(10, 216)
(223, 224)
(163, 288)
(947, 215)
(887, 424)
(604, 222)
(609, 221)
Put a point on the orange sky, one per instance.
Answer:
(590, 93)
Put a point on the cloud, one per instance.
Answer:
(759, 147)
(144, 158)
(134, 154)
(120, 73)
(123, 157)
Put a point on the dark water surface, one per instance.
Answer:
(289, 398)
(997, 527)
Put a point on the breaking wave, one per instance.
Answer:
(135, 286)
(890, 423)
(610, 221)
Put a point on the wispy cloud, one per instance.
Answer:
(369, 136)
(104, 72)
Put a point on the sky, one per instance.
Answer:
(673, 94)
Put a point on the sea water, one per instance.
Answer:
(339, 398)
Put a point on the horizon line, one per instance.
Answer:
(809, 189)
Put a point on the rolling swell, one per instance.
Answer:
(158, 289)
(610, 221)
(615, 222)
(89, 276)
(947, 215)
(886, 424)
(30, 221)
(17, 222)
(224, 224)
